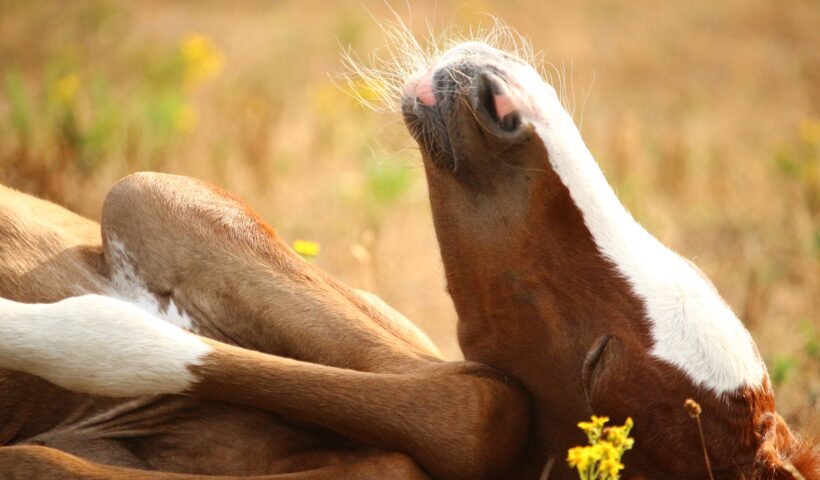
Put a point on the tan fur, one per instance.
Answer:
(42, 463)
(304, 372)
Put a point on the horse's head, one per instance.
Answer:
(554, 281)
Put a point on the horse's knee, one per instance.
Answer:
(163, 226)
(135, 201)
(189, 251)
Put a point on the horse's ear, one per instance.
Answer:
(786, 456)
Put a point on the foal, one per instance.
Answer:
(557, 288)
(555, 283)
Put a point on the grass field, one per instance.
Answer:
(704, 115)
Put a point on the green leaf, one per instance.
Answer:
(386, 181)
(781, 368)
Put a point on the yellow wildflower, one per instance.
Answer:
(65, 88)
(593, 429)
(581, 457)
(306, 248)
(619, 436)
(203, 60)
(601, 459)
(607, 449)
(611, 467)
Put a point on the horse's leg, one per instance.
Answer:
(55, 269)
(459, 420)
(44, 463)
(189, 243)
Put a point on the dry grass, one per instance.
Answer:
(703, 114)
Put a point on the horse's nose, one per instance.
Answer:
(457, 68)
(422, 88)
(482, 82)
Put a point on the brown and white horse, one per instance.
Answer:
(267, 366)
(555, 282)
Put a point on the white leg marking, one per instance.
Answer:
(129, 287)
(98, 345)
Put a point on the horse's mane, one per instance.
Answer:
(784, 455)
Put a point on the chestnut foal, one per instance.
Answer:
(554, 283)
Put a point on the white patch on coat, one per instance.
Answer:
(99, 345)
(691, 326)
(128, 286)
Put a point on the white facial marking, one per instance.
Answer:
(128, 286)
(99, 345)
(691, 326)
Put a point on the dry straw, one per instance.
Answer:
(694, 410)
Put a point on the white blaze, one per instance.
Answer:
(691, 326)
(99, 345)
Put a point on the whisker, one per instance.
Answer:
(378, 80)
(584, 105)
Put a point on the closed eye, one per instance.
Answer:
(590, 362)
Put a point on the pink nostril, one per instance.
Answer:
(504, 105)
(424, 89)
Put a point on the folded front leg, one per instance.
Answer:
(457, 420)
(187, 242)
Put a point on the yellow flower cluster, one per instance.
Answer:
(306, 248)
(601, 459)
(203, 60)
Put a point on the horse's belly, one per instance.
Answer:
(222, 439)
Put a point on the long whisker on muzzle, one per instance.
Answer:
(379, 80)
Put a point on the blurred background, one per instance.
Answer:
(704, 115)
